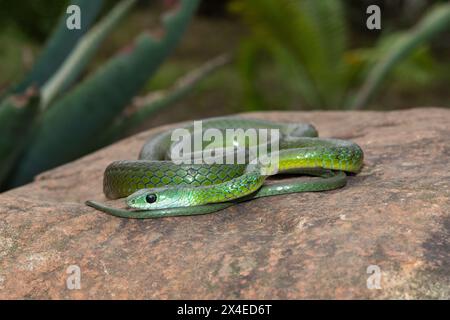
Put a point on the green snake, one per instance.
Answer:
(156, 186)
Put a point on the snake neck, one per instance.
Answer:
(250, 181)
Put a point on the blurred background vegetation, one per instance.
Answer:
(221, 26)
(286, 54)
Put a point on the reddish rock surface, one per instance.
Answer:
(394, 214)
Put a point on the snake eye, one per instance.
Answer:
(150, 198)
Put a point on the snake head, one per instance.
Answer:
(157, 198)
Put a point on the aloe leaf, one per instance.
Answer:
(328, 20)
(435, 21)
(83, 52)
(312, 33)
(156, 101)
(60, 44)
(68, 127)
(144, 107)
(249, 61)
(17, 113)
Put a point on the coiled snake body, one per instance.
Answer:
(158, 187)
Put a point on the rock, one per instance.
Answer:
(393, 217)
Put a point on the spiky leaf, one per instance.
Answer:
(435, 21)
(16, 116)
(83, 52)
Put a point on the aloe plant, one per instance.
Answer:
(143, 107)
(17, 113)
(60, 121)
(307, 42)
(436, 20)
(59, 46)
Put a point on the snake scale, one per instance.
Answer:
(156, 186)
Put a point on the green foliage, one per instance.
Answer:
(11, 56)
(146, 106)
(60, 45)
(436, 20)
(73, 123)
(303, 45)
(33, 19)
(16, 116)
(82, 53)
